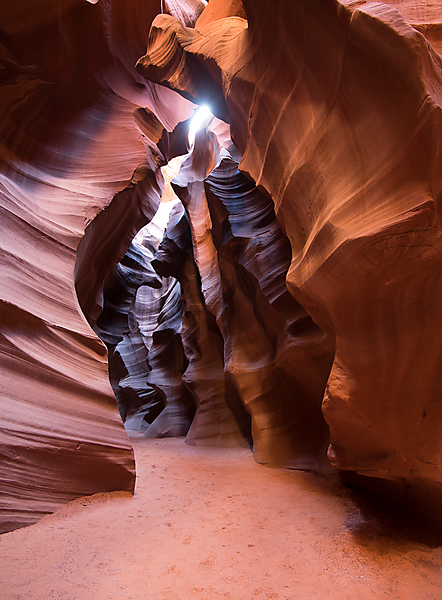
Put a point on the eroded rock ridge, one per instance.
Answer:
(293, 301)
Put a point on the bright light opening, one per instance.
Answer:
(157, 226)
(201, 118)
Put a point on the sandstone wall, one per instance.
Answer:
(335, 111)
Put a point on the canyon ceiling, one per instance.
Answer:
(294, 302)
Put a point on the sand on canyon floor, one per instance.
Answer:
(206, 524)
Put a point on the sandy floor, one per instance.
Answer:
(208, 524)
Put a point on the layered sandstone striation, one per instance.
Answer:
(219, 418)
(271, 352)
(141, 326)
(69, 149)
(294, 298)
(336, 109)
(242, 347)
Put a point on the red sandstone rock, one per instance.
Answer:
(336, 108)
(219, 9)
(425, 16)
(276, 358)
(68, 145)
(220, 418)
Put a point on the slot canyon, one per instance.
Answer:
(220, 256)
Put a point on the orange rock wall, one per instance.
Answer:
(335, 108)
(68, 144)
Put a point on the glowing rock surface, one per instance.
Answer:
(335, 108)
(68, 144)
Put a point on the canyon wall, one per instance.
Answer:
(70, 150)
(336, 109)
(305, 255)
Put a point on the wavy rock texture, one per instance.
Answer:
(141, 326)
(220, 418)
(117, 326)
(69, 148)
(167, 361)
(268, 347)
(186, 11)
(336, 110)
(426, 17)
(336, 107)
(277, 357)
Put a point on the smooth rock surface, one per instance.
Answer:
(69, 150)
(336, 108)
(335, 111)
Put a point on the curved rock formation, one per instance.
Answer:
(273, 354)
(220, 418)
(68, 145)
(118, 328)
(141, 326)
(336, 107)
(426, 17)
(277, 357)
